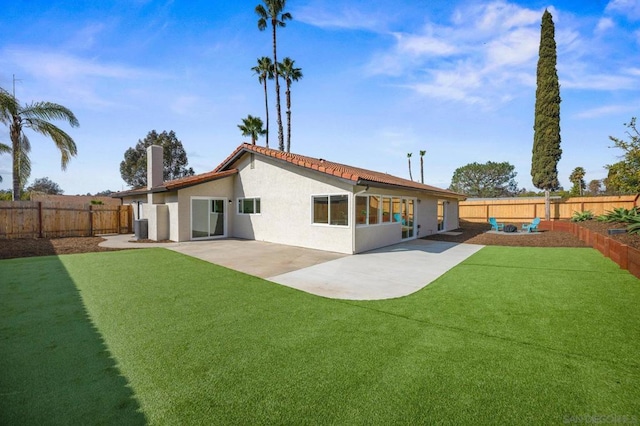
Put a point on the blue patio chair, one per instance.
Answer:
(397, 217)
(495, 225)
(533, 226)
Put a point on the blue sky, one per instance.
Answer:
(381, 78)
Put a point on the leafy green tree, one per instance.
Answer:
(422, 153)
(290, 73)
(133, 168)
(105, 193)
(624, 176)
(409, 154)
(36, 116)
(487, 180)
(546, 138)
(45, 186)
(577, 179)
(273, 13)
(252, 126)
(595, 187)
(264, 69)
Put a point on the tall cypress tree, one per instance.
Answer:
(546, 127)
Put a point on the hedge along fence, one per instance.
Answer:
(525, 209)
(625, 256)
(39, 219)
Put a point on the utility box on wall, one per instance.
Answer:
(141, 229)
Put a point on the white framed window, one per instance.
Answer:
(375, 209)
(330, 210)
(249, 205)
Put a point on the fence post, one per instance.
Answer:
(118, 223)
(40, 234)
(90, 220)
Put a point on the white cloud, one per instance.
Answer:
(62, 66)
(427, 44)
(603, 111)
(604, 24)
(605, 82)
(628, 8)
(476, 59)
(72, 78)
(346, 17)
(486, 55)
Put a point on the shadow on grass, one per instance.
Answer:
(54, 365)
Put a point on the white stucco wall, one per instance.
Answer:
(158, 222)
(453, 219)
(286, 205)
(222, 188)
(427, 216)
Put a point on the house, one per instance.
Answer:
(268, 195)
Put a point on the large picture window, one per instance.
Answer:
(248, 205)
(331, 209)
(375, 209)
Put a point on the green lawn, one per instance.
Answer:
(512, 335)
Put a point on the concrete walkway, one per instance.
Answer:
(257, 258)
(388, 272)
(385, 273)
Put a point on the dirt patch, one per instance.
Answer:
(28, 247)
(632, 240)
(476, 233)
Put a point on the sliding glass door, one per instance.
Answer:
(208, 218)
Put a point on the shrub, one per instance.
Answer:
(620, 214)
(582, 216)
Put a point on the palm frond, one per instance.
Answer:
(263, 15)
(8, 107)
(24, 169)
(49, 111)
(62, 140)
(4, 149)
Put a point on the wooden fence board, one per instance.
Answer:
(525, 209)
(31, 219)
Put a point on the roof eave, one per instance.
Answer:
(444, 194)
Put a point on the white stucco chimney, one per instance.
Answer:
(154, 166)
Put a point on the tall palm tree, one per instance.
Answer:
(273, 13)
(577, 179)
(252, 126)
(290, 74)
(422, 153)
(36, 116)
(264, 69)
(409, 160)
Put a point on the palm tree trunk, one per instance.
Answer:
(288, 116)
(266, 107)
(16, 152)
(275, 64)
(410, 175)
(421, 169)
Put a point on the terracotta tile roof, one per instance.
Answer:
(353, 174)
(184, 182)
(196, 179)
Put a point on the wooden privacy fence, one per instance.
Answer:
(525, 209)
(40, 219)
